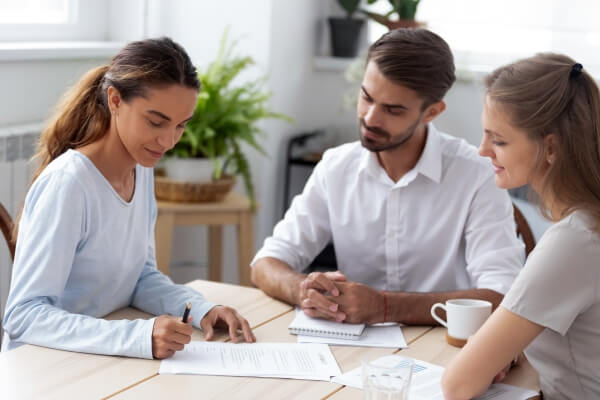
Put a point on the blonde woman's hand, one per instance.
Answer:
(502, 374)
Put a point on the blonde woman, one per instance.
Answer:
(541, 123)
(85, 244)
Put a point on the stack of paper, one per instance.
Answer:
(313, 330)
(274, 360)
(426, 382)
(379, 335)
(305, 325)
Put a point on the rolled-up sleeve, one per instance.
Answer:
(493, 252)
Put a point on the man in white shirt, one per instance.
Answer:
(414, 214)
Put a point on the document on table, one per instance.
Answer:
(426, 382)
(378, 335)
(273, 360)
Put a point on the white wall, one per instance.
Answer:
(31, 89)
(464, 104)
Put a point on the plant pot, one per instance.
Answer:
(345, 33)
(189, 169)
(167, 189)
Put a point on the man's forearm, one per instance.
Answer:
(277, 279)
(414, 308)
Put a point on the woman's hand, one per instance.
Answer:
(226, 317)
(502, 374)
(169, 335)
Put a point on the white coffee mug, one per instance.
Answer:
(463, 316)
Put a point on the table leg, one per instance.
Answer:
(163, 233)
(245, 247)
(215, 244)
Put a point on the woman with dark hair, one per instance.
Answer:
(541, 123)
(85, 242)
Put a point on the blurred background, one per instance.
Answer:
(46, 45)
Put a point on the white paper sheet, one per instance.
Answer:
(275, 360)
(373, 336)
(307, 326)
(426, 382)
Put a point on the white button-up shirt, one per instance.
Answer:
(443, 226)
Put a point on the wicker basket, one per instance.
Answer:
(195, 192)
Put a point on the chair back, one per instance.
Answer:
(523, 230)
(6, 225)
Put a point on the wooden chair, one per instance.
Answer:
(524, 231)
(6, 225)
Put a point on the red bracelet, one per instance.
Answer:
(384, 306)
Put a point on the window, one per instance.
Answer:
(487, 33)
(35, 12)
(52, 20)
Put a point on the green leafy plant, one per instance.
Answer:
(226, 116)
(400, 10)
(350, 6)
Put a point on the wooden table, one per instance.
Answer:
(233, 210)
(32, 372)
(35, 372)
(432, 347)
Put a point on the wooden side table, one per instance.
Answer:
(234, 209)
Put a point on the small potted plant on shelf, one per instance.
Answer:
(401, 15)
(225, 118)
(345, 32)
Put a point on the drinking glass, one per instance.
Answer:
(387, 380)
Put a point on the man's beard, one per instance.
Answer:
(390, 143)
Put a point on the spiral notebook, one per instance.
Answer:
(305, 325)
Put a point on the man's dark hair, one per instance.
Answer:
(416, 58)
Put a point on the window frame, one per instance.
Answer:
(87, 22)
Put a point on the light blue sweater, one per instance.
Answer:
(82, 253)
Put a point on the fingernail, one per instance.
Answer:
(335, 292)
(333, 307)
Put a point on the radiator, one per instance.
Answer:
(17, 145)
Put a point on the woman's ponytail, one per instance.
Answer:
(82, 117)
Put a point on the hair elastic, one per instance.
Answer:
(575, 70)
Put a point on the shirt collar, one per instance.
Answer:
(429, 164)
(370, 164)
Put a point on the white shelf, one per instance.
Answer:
(338, 64)
(26, 51)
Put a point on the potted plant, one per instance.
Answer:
(345, 32)
(225, 118)
(401, 15)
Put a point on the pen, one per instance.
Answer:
(186, 313)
